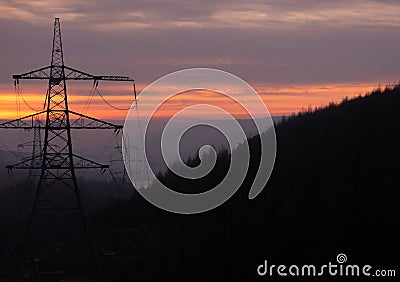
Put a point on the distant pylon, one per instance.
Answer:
(57, 162)
(36, 145)
(117, 167)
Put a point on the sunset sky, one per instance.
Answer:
(294, 53)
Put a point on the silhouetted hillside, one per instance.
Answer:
(334, 189)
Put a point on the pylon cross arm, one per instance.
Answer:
(57, 161)
(27, 122)
(42, 73)
(69, 74)
(86, 122)
(78, 121)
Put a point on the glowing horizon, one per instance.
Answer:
(280, 100)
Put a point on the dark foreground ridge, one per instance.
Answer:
(334, 189)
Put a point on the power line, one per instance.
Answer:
(112, 106)
(89, 99)
(18, 91)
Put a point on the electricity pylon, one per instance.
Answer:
(58, 163)
(36, 145)
(118, 171)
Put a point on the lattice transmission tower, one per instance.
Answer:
(36, 145)
(56, 160)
